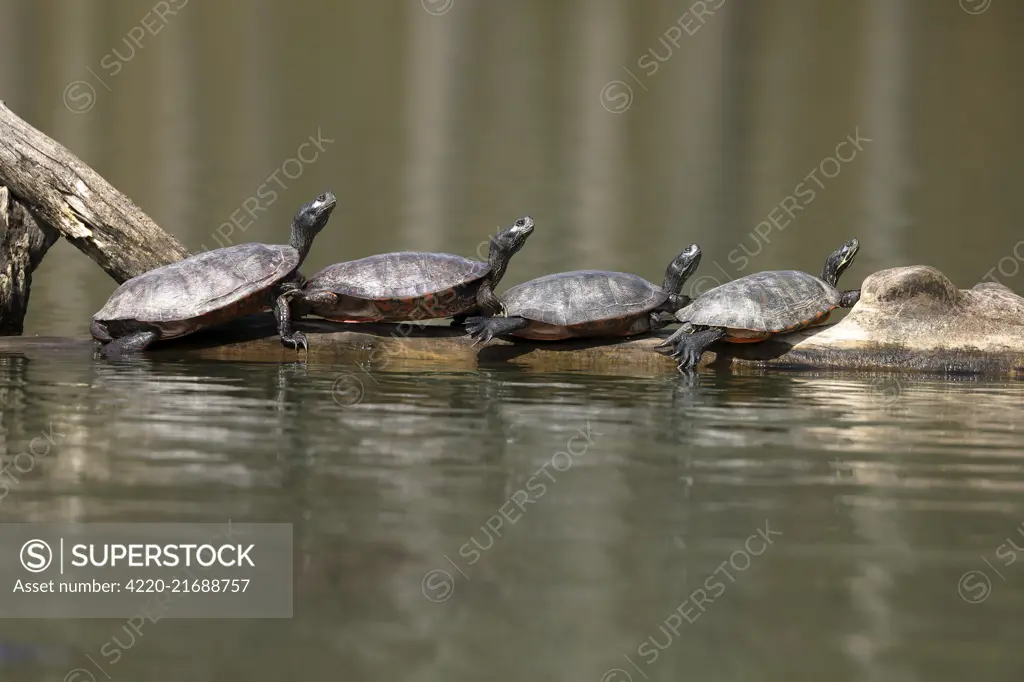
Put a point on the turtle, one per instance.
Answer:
(755, 307)
(210, 288)
(394, 287)
(588, 303)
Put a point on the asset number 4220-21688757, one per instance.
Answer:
(182, 585)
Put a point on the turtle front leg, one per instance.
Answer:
(283, 315)
(691, 347)
(489, 305)
(483, 329)
(133, 343)
(849, 298)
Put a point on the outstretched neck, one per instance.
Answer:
(498, 259)
(830, 274)
(674, 280)
(301, 241)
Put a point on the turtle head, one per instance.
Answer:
(840, 260)
(678, 271)
(505, 244)
(308, 222)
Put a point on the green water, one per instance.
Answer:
(441, 532)
(415, 562)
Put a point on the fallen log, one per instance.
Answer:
(907, 319)
(23, 243)
(64, 193)
(910, 318)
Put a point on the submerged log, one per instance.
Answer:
(23, 243)
(69, 196)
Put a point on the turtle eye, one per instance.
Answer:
(520, 223)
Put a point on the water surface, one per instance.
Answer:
(878, 494)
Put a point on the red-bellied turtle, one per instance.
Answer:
(393, 287)
(754, 307)
(210, 288)
(588, 303)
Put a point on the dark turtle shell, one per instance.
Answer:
(401, 275)
(399, 286)
(233, 279)
(771, 302)
(583, 297)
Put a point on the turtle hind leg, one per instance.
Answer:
(483, 329)
(849, 298)
(133, 343)
(99, 332)
(458, 320)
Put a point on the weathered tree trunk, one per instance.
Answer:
(72, 198)
(23, 243)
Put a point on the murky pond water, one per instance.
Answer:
(509, 524)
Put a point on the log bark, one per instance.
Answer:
(23, 243)
(65, 193)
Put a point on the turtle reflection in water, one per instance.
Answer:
(755, 307)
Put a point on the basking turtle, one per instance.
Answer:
(752, 308)
(392, 287)
(588, 303)
(209, 288)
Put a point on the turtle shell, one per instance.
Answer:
(772, 302)
(401, 275)
(209, 282)
(583, 297)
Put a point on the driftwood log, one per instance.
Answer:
(66, 194)
(48, 191)
(23, 243)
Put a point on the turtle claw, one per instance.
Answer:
(477, 328)
(666, 348)
(688, 362)
(295, 340)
